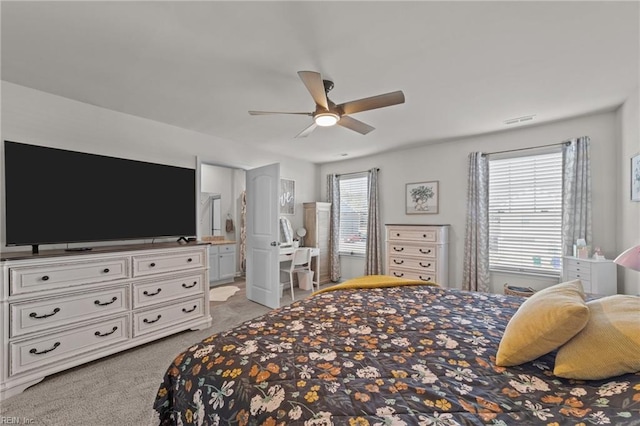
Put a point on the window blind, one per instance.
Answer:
(525, 214)
(354, 213)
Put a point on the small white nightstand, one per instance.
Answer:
(597, 276)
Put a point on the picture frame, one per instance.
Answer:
(287, 196)
(422, 197)
(635, 177)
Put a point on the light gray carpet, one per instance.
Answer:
(120, 389)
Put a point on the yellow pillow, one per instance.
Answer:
(608, 346)
(543, 323)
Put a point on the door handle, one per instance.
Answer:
(275, 243)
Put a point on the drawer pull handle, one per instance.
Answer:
(146, 321)
(424, 235)
(152, 264)
(189, 286)
(398, 262)
(45, 278)
(398, 274)
(425, 266)
(34, 315)
(186, 311)
(425, 279)
(397, 235)
(398, 249)
(146, 293)
(189, 260)
(105, 270)
(35, 351)
(97, 333)
(425, 251)
(99, 303)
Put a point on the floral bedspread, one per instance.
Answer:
(411, 355)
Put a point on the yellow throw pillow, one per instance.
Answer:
(543, 323)
(608, 346)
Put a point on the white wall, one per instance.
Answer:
(446, 162)
(628, 219)
(40, 118)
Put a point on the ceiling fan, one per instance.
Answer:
(328, 113)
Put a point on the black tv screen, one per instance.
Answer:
(59, 196)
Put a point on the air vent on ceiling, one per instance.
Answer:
(517, 120)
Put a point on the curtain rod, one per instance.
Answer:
(525, 149)
(355, 173)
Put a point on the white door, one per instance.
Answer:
(263, 236)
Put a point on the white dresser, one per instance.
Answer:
(597, 276)
(419, 252)
(60, 309)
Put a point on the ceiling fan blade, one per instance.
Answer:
(306, 132)
(315, 86)
(380, 101)
(279, 112)
(356, 125)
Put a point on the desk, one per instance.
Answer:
(286, 254)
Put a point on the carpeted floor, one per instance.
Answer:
(120, 389)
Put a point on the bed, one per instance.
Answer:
(381, 353)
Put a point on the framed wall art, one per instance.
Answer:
(635, 177)
(422, 197)
(287, 196)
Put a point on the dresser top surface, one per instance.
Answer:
(43, 254)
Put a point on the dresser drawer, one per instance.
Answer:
(153, 292)
(420, 265)
(408, 233)
(579, 267)
(34, 353)
(226, 248)
(167, 316)
(168, 262)
(412, 275)
(407, 250)
(29, 317)
(27, 279)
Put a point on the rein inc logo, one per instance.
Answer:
(15, 420)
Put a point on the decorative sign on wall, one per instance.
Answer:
(635, 177)
(287, 196)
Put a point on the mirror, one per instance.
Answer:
(286, 233)
(216, 220)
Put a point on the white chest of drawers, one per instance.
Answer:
(597, 276)
(59, 310)
(419, 252)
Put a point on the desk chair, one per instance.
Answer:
(300, 262)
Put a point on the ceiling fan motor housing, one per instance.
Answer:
(328, 85)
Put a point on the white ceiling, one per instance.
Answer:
(464, 67)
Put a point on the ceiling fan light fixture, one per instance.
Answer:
(326, 119)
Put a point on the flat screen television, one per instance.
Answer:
(57, 196)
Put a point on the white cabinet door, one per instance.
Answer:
(214, 264)
(227, 265)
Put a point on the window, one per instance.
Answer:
(354, 213)
(525, 214)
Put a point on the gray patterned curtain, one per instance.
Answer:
(576, 196)
(243, 231)
(475, 276)
(333, 197)
(373, 264)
